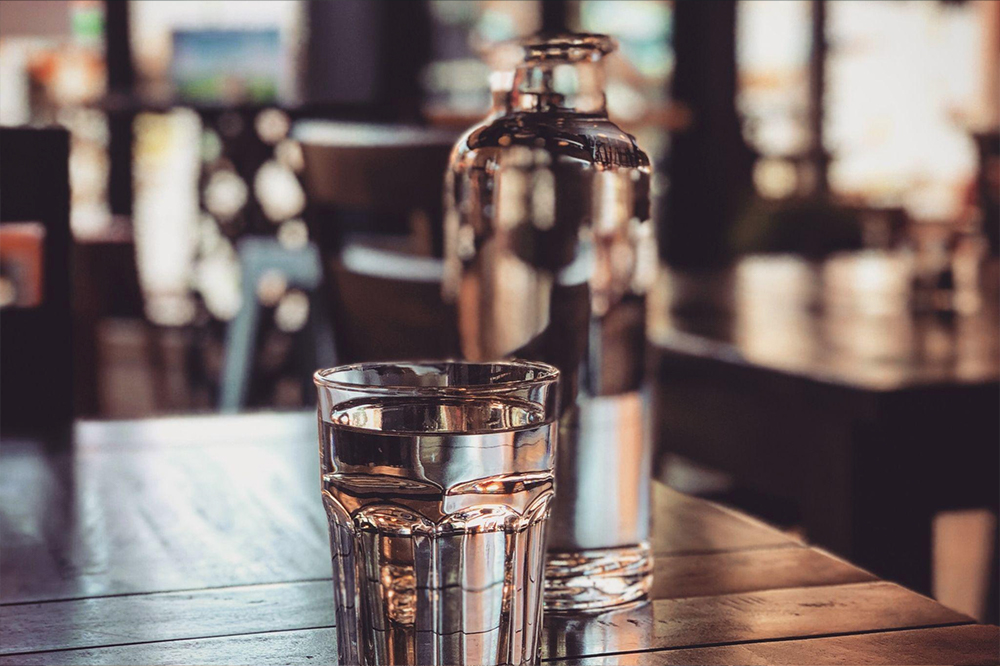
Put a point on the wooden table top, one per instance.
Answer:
(202, 540)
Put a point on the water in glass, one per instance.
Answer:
(437, 509)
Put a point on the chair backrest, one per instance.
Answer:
(385, 303)
(373, 178)
(36, 342)
(374, 167)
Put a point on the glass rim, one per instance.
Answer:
(565, 43)
(546, 374)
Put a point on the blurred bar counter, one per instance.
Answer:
(818, 385)
(848, 320)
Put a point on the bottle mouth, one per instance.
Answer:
(572, 47)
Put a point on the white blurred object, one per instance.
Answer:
(289, 153)
(293, 234)
(14, 98)
(775, 178)
(225, 194)
(278, 191)
(772, 54)
(89, 170)
(625, 102)
(272, 125)
(165, 211)
(217, 278)
(292, 312)
(898, 73)
(271, 286)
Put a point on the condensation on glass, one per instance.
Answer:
(437, 480)
(549, 254)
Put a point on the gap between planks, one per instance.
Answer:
(959, 620)
(210, 588)
(755, 641)
(4, 657)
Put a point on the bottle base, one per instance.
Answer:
(595, 579)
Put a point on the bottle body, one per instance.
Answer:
(549, 252)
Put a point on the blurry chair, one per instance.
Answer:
(375, 209)
(39, 380)
(387, 305)
(299, 268)
(381, 179)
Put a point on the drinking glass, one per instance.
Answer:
(437, 479)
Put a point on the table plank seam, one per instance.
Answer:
(875, 582)
(548, 659)
(961, 620)
(115, 595)
(722, 551)
(788, 588)
(858, 584)
(752, 641)
(662, 555)
(143, 589)
(166, 640)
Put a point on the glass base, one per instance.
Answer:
(593, 579)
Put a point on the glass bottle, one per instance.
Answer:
(549, 251)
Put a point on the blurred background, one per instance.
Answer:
(202, 202)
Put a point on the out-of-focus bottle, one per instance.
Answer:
(549, 251)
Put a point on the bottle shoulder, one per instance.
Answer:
(593, 139)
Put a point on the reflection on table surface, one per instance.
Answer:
(616, 630)
(849, 320)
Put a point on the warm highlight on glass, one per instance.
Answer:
(437, 479)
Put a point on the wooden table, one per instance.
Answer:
(202, 540)
(817, 385)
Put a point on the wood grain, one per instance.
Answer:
(204, 502)
(316, 646)
(664, 623)
(168, 504)
(103, 621)
(749, 571)
(735, 618)
(144, 618)
(682, 524)
(970, 644)
(201, 540)
(966, 645)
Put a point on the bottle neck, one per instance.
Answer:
(551, 84)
